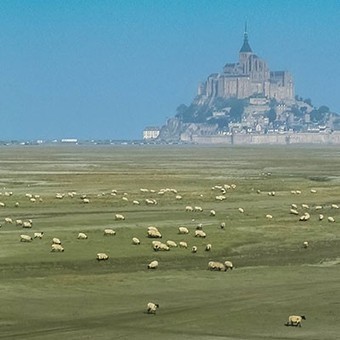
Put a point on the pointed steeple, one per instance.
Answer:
(245, 47)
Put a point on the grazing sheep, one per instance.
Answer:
(33, 200)
(8, 220)
(321, 217)
(135, 241)
(294, 212)
(86, 200)
(183, 230)
(269, 217)
(305, 206)
(171, 244)
(313, 191)
(119, 217)
(56, 241)
(25, 238)
(294, 206)
(331, 219)
(57, 247)
(39, 235)
(298, 192)
(102, 257)
(220, 198)
(82, 236)
(212, 213)
(222, 225)
(318, 207)
(228, 265)
(334, 206)
(154, 233)
(295, 320)
(271, 193)
(2, 204)
(27, 224)
(194, 249)
(214, 265)
(153, 228)
(178, 197)
(152, 307)
(241, 210)
(108, 232)
(305, 217)
(150, 201)
(305, 244)
(208, 247)
(200, 233)
(18, 222)
(153, 265)
(164, 247)
(189, 208)
(16, 204)
(135, 202)
(125, 199)
(198, 209)
(183, 244)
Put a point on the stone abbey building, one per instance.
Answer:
(250, 76)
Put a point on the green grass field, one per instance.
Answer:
(70, 295)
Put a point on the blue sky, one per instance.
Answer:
(106, 69)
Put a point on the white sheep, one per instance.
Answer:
(135, 241)
(200, 233)
(194, 249)
(152, 307)
(228, 265)
(222, 225)
(334, 206)
(178, 197)
(119, 217)
(2, 204)
(8, 220)
(108, 232)
(38, 235)
(189, 208)
(82, 236)
(135, 202)
(56, 247)
(295, 320)
(183, 230)
(313, 191)
(212, 213)
(208, 247)
(56, 240)
(269, 216)
(305, 217)
(294, 206)
(198, 209)
(171, 244)
(164, 247)
(102, 257)
(18, 222)
(25, 238)
(318, 207)
(154, 233)
(321, 217)
(153, 265)
(86, 200)
(183, 244)
(214, 265)
(305, 206)
(241, 210)
(305, 244)
(331, 219)
(294, 212)
(27, 224)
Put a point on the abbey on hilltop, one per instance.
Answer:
(247, 102)
(248, 77)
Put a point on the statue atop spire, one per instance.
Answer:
(245, 47)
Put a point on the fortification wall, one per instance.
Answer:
(275, 139)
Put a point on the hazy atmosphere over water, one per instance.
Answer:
(106, 69)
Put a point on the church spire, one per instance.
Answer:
(245, 47)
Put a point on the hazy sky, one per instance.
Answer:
(106, 69)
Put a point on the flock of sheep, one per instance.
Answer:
(304, 213)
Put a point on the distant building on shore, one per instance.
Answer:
(151, 132)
